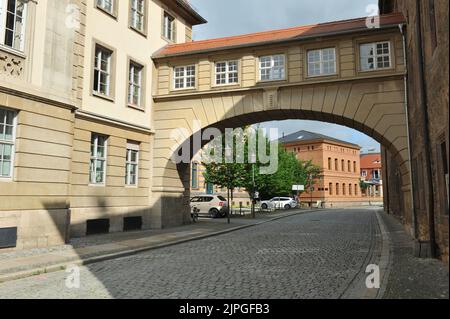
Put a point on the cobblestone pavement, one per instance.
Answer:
(315, 255)
(411, 277)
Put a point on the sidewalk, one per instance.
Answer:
(86, 250)
(411, 277)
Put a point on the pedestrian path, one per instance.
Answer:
(82, 251)
(411, 277)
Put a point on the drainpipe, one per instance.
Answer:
(405, 83)
(426, 135)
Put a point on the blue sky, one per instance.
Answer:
(234, 17)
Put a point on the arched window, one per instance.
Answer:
(330, 188)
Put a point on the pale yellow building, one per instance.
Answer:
(76, 126)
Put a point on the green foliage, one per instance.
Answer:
(247, 175)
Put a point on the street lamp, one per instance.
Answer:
(228, 154)
(253, 161)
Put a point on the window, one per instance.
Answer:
(354, 167)
(132, 164)
(376, 174)
(344, 190)
(349, 166)
(337, 188)
(98, 159)
(375, 56)
(343, 165)
(138, 14)
(364, 173)
(336, 165)
(322, 62)
(135, 84)
(329, 163)
(350, 189)
(227, 72)
(12, 27)
(106, 5)
(169, 27)
(7, 137)
(102, 71)
(330, 187)
(184, 77)
(194, 178)
(356, 189)
(272, 68)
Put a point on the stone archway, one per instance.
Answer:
(375, 107)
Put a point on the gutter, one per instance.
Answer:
(405, 82)
(426, 134)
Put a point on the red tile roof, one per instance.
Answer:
(370, 161)
(296, 33)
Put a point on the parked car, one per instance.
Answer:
(279, 203)
(214, 206)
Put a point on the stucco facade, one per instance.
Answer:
(49, 115)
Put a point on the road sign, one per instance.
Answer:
(298, 188)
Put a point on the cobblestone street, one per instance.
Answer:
(315, 255)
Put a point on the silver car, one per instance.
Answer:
(214, 206)
(279, 203)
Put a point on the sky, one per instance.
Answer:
(234, 17)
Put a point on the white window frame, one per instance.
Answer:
(98, 56)
(94, 157)
(321, 62)
(375, 56)
(102, 5)
(3, 16)
(271, 67)
(11, 142)
(169, 27)
(364, 173)
(230, 75)
(135, 13)
(132, 147)
(181, 73)
(132, 84)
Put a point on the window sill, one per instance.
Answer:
(142, 33)
(322, 76)
(183, 90)
(97, 185)
(15, 52)
(131, 186)
(226, 86)
(110, 14)
(168, 40)
(137, 108)
(104, 97)
(6, 180)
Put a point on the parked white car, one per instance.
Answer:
(214, 206)
(279, 203)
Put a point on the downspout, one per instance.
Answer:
(424, 105)
(405, 83)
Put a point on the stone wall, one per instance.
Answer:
(427, 31)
